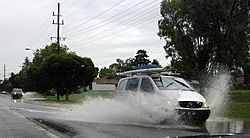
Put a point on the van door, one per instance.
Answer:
(146, 86)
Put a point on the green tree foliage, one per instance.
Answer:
(41, 54)
(5, 85)
(203, 35)
(121, 66)
(130, 63)
(106, 72)
(141, 58)
(20, 80)
(39, 57)
(155, 62)
(66, 72)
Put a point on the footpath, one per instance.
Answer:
(13, 125)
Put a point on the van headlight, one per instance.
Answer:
(205, 105)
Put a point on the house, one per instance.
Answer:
(107, 83)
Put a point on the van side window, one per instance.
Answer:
(132, 84)
(122, 85)
(146, 85)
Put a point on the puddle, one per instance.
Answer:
(231, 126)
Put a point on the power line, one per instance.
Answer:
(71, 5)
(47, 39)
(118, 31)
(108, 36)
(38, 35)
(115, 5)
(127, 22)
(118, 13)
(85, 5)
(99, 25)
(44, 28)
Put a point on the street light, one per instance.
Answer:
(30, 49)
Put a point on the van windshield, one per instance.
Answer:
(172, 83)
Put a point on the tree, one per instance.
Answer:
(6, 85)
(121, 66)
(66, 72)
(141, 58)
(39, 57)
(155, 62)
(107, 72)
(20, 80)
(203, 35)
(69, 71)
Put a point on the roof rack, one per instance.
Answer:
(149, 71)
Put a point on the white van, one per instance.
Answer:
(190, 104)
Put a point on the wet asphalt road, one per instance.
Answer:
(52, 120)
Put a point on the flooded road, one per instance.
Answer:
(66, 122)
(226, 126)
(104, 130)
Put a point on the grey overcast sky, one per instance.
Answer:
(103, 30)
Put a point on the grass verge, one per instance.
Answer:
(239, 106)
(76, 98)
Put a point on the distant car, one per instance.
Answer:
(4, 92)
(17, 93)
(190, 105)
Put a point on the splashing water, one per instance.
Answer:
(30, 95)
(217, 94)
(148, 109)
(127, 109)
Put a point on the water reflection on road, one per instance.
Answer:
(225, 126)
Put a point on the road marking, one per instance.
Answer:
(30, 110)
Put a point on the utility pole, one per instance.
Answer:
(58, 27)
(58, 35)
(4, 72)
